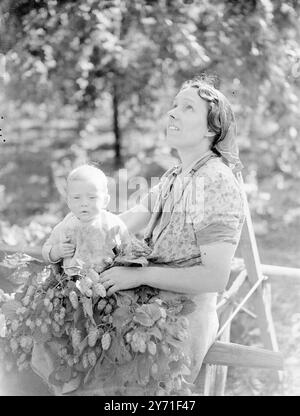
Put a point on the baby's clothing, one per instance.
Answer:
(96, 242)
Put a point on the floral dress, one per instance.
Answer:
(203, 206)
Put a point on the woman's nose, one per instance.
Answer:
(171, 113)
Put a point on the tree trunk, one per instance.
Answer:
(116, 126)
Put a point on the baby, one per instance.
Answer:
(89, 234)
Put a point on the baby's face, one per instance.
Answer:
(85, 199)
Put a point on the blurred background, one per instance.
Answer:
(92, 81)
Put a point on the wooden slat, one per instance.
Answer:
(277, 271)
(233, 290)
(236, 355)
(209, 381)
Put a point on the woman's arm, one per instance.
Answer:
(211, 276)
(137, 218)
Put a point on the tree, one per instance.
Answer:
(138, 52)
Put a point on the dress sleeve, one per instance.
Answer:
(217, 213)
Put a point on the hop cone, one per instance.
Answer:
(92, 336)
(105, 341)
(73, 299)
(100, 290)
(76, 338)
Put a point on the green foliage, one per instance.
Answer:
(132, 55)
(132, 342)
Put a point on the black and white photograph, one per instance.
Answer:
(150, 200)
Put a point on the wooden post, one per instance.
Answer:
(221, 370)
(209, 379)
(251, 258)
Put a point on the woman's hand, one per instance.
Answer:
(121, 278)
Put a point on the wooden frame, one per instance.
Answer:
(223, 353)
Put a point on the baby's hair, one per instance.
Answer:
(88, 173)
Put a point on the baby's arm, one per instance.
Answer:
(58, 246)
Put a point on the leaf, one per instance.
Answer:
(88, 375)
(143, 366)
(170, 340)
(53, 380)
(189, 306)
(78, 314)
(63, 373)
(71, 385)
(152, 309)
(178, 367)
(128, 371)
(87, 305)
(146, 292)
(102, 369)
(83, 344)
(156, 332)
(71, 285)
(143, 319)
(10, 307)
(147, 314)
(162, 361)
(126, 297)
(121, 317)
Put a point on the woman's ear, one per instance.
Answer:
(210, 134)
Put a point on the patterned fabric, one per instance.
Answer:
(94, 241)
(205, 207)
(201, 209)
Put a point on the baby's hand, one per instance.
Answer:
(62, 250)
(66, 249)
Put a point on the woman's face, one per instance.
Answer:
(187, 120)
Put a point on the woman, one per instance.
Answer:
(194, 226)
(198, 214)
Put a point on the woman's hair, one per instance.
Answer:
(89, 173)
(220, 117)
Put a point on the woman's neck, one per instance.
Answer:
(188, 156)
